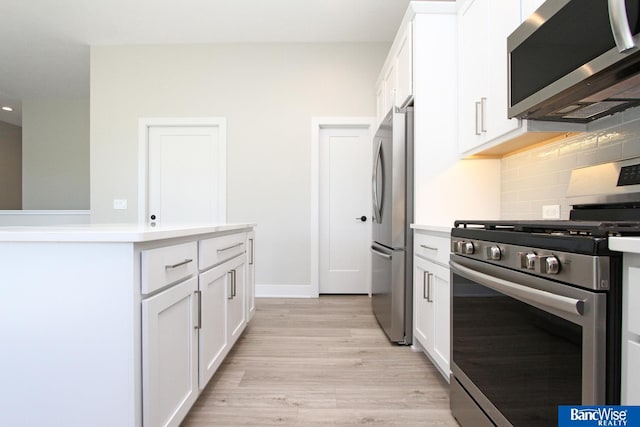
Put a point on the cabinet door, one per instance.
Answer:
(473, 64)
(503, 19)
(236, 303)
(251, 275)
(169, 355)
(380, 103)
(441, 317)
(422, 312)
(404, 68)
(390, 86)
(212, 339)
(431, 311)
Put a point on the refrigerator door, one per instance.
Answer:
(389, 182)
(388, 290)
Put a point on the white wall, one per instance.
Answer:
(55, 154)
(10, 166)
(268, 94)
(540, 176)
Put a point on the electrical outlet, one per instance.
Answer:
(551, 212)
(120, 204)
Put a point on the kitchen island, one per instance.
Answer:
(118, 325)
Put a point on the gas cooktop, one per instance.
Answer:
(556, 227)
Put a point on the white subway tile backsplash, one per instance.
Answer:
(540, 176)
(631, 149)
(605, 153)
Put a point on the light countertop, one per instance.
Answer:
(625, 244)
(436, 228)
(110, 232)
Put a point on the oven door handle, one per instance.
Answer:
(523, 293)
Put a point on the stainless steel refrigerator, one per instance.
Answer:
(392, 246)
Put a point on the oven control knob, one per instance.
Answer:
(468, 248)
(530, 261)
(551, 265)
(493, 253)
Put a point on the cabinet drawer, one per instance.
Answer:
(219, 249)
(436, 248)
(169, 264)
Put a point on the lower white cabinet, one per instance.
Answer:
(251, 274)
(236, 303)
(431, 301)
(169, 354)
(189, 327)
(630, 393)
(120, 326)
(213, 337)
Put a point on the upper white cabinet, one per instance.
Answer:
(404, 68)
(395, 85)
(483, 29)
(484, 127)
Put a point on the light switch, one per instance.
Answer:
(120, 204)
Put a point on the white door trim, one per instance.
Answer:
(144, 123)
(318, 123)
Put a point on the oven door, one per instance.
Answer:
(522, 345)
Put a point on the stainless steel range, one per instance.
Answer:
(536, 305)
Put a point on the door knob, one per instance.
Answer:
(361, 218)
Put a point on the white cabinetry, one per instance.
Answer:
(169, 354)
(431, 298)
(630, 393)
(129, 332)
(189, 328)
(236, 302)
(483, 29)
(251, 274)
(484, 127)
(213, 335)
(395, 85)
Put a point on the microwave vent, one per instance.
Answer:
(590, 110)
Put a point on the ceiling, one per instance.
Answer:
(44, 44)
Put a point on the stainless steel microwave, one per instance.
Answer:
(575, 61)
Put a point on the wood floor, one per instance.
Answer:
(317, 362)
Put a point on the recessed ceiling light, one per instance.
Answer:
(7, 108)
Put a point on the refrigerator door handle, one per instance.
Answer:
(377, 209)
(382, 254)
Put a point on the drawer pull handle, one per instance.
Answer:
(186, 261)
(429, 247)
(230, 247)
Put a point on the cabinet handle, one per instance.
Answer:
(251, 254)
(424, 285)
(429, 247)
(199, 309)
(483, 114)
(233, 276)
(429, 280)
(478, 132)
(230, 273)
(186, 261)
(229, 247)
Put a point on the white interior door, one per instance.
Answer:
(186, 174)
(344, 198)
